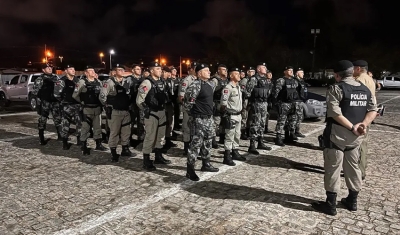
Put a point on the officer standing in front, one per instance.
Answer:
(231, 107)
(302, 90)
(43, 89)
(152, 98)
(63, 91)
(350, 109)
(115, 96)
(87, 93)
(245, 111)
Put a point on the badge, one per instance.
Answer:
(183, 84)
(225, 91)
(105, 85)
(243, 87)
(192, 99)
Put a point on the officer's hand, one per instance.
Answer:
(359, 129)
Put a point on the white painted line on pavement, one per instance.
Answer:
(135, 207)
(24, 137)
(17, 114)
(396, 97)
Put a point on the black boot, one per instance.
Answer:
(208, 167)
(99, 146)
(85, 149)
(214, 143)
(228, 159)
(243, 135)
(298, 133)
(261, 144)
(293, 136)
(186, 147)
(78, 140)
(252, 148)
(105, 137)
(279, 140)
(236, 155)
(222, 139)
(114, 155)
(147, 163)
(66, 145)
(59, 137)
(169, 144)
(329, 206)
(41, 137)
(159, 159)
(350, 202)
(191, 173)
(125, 151)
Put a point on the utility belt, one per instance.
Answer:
(201, 116)
(232, 114)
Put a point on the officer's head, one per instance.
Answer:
(251, 71)
(70, 70)
(222, 71)
(192, 68)
(234, 74)
(202, 71)
(119, 70)
(269, 74)
(89, 72)
(370, 74)
(46, 68)
(300, 73)
(166, 72)
(360, 66)
(262, 68)
(288, 71)
(146, 73)
(173, 71)
(343, 69)
(155, 69)
(242, 74)
(136, 70)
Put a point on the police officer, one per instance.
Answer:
(169, 107)
(302, 90)
(271, 85)
(182, 90)
(146, 73)
(177, 107)
(87, 93)
(152, 98)
(231, 107)
(350, 109)
(285, 95)
(115, 95)
(242, 74)
(63, 91)
(220, 80)
(258, 89)
(199, 104)
(245, 111)
(43, 89)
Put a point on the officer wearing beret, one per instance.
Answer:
(152, 98)
(302, 90)
(115, 95)
(177, 107)
(350, 109)
(271, 83)
(245, 111)
(231, 107)
(169, 107)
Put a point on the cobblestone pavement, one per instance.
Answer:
(45, 190)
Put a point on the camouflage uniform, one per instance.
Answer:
(299, 106)
(245, 110)
(137, 115)
(182, 91)
(219, 84)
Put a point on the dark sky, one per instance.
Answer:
(181, 27)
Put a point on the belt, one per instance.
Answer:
(238, 113)
(202, 116)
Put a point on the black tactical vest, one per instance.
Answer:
(68, 91)
(46, 92)
(157, 96)
(204, 102)
(260, 92)
(219, 87)
(302, 89)
(122, 100)
(91, 97)
(289, 92)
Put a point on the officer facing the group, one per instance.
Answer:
(43, 89)
(152, 98)
(199, 104)
(350, 109)
(231, 107)
(115, 96)
(245, 111)
(302, 90)
(63, 91)
(87, 93)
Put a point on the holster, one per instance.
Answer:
(146, 112)
(228, 122)
(108, 110)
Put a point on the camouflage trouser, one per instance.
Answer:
(137, 116)
(259, 112)
(286, 112)
(267, 119)
(44, 109)
(71, 114)
(202, 132)
(245, 113)
(299, 115)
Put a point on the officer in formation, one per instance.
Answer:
(152, 98)
(258, 89)
(271, 84)
(172, 87)
(182, 90)
(87, 93)
(286, 95)
(115, 96)
(350, 110)
(198, 103)
(231, 107)
(43, 89)
(245, 111)
(63, 90)
(177, 107)
(299, 103)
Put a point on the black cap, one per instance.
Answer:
(193, 64)
(342, 66)
(242, 71)
(251, 68)
(360, 63)
(45, 65)
(88, 67)
(269, 71)
(235, 69)
(299, 69)
(134, 65)
(154, 64)
(262, 64)
(119, 66)
(166, 69)
(69, 66)
(200, 67)
(222, 66)
(288, 67)
(172, 68)
(146, 70)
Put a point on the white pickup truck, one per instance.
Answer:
(389, 82)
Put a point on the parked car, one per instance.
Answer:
(389, 82)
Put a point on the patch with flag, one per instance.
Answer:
(192, 99)
(105, 85)
(225, 91)
(143, 89)
(183, 84)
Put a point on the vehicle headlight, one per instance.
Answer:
(313, 102)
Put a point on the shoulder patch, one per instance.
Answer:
(105, 85)
(143, 89)
(183, 84)
(225, 91)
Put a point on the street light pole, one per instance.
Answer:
(314, 32)
(112, 52)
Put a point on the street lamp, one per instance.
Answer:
(101, 57)
(156, 60)
(112, 52)
(163, 62)
(314, 32)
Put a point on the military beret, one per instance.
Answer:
(172, 68)
(119, 66)
(342, 66)
(288, 67)
(360, 63)
(193, 64)
(269, 71)
(299, 69)
(200, 67)
(251, 68)
(154, 64)
(146, 70)
(262, 64)
(88, 67)
(45, 65)
(234, 69)
(69, 66)
(166, 69)
(222, 66)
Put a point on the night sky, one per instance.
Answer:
(194, 28)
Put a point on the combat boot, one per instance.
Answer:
(105, 137)
(261, 144)
(243, 135)
(159, 158)
(236, 155)
(114, 155)
(288, 138)
(41, 137)
(147, 163)
(329, 206)
(279, 140)
(125, 151)
(252, 148)
(228, 159)
(78, 140)
(169, 144)
(222, 139)
(350, 202)
(191, 173)
(59, 137)
(85, 149)
(207, 166)
(186, 147)
(293, 136)
(66, 145)
(99, 145)
(299, 134)
(214, 143)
